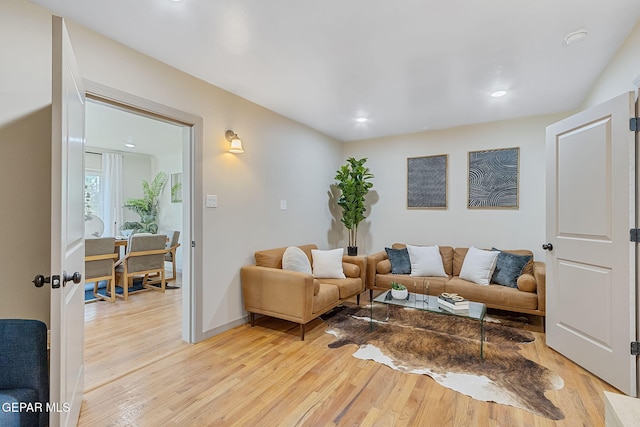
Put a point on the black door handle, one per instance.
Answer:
(547, 247)
(40, 280)
(75, 277)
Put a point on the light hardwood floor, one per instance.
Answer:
(140, 373)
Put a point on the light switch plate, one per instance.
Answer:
(283, 205)
(212, 201)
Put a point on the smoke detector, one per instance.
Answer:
(576, 36)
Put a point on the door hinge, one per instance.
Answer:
(634, 124)
(193, 243)
(634, 235)
(635, 348)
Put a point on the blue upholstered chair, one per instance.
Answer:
(24, 373)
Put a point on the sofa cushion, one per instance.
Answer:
(383, 267)
(347, 287)
(400, 261)
(478, 266)
(350, 270)
(327, 296)
(295, 259)
(425, 261)
(328, 264)
(493, 295)
(528, 268)
(527, 283)
(458, 259)
(272, 258)
(509, 267)
(446, 252)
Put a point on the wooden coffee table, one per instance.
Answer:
(477, 310)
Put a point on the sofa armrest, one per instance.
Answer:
(540, 274)
(372, 265)
(361, 262)
(279, 293)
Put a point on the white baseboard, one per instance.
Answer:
(220, 329)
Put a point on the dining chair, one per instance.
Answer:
(144, 258)
(99, 262)
(170, 256)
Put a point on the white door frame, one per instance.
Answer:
(192, 206)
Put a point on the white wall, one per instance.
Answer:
(283, 160)
(25, 158)
(619, 76)
(390, 221)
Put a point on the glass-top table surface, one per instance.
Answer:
(477, 310)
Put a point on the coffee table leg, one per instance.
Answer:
(371, 315)
(482, 338)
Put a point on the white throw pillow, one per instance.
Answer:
(478, 266)
(426, 261)
(295, 259)
(328, 264)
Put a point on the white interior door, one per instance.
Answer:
(67, 232)
(591, 273)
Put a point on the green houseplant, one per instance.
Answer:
(353, 182)
(146, 206)
(399, 291)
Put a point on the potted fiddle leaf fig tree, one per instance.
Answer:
(146, 206)
(353, 182)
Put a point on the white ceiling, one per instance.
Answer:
(407, 65)
(110, 128)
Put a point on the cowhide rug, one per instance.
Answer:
(447, 348)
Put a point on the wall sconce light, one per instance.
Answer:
(236, 143)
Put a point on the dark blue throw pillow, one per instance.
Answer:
(509, 268)
(400, 262)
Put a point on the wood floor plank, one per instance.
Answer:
(140, 373)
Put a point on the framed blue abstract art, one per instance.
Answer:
(427, 182)
(493, 179)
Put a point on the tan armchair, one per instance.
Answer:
(269, 290)
(99, 262)
(170, 256)
(145, 258)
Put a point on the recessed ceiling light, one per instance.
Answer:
(498, 93)
(129, 145)
(576, 36)
(362, 119)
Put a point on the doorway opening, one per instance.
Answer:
(166, 140)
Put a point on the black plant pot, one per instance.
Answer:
(352, 250)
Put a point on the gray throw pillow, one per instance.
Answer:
(400, 261)
(509, 268)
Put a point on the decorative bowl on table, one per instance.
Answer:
(399, 291)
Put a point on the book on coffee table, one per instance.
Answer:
(453, 299)
(457, 310)
(454, 305)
